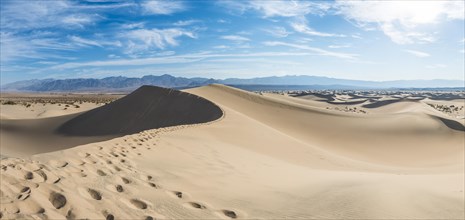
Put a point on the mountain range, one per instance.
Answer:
(124, 84)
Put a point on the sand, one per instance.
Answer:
(267, 156)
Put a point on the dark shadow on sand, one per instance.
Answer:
(455, 125)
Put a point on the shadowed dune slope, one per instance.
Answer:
(146, 108)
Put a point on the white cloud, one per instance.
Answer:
(84, 42)
(418, 53)
(288, 8)
(186, 22)
(87, 42)
(133, 25)
(337, 46)
(302, 27)
(401, 20)
(162, 7)
(278, 32)
(221, 47)
(318, 51)
(79, 20)
(141, 40)
(27, 15)
(113, 56)
(277, 8)
(34, 46)
(236, 38)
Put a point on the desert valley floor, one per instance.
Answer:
(218, 153)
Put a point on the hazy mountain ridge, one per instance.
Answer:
(120, 83)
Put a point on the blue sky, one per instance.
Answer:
(371, 40)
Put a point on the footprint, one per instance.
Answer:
(58, 164)
(153, 185)
(23, 196)
(70, 214)
(229, 213)
(29, 176)
(119, 188)
(101, 173)
(196, 205)
(138, 204)
(57, 200)
(94, 194)
(125, 180)
(108, 216)
(117, 168)
(177, 194)
(42, 175)
(26, 190)
(149, 218)
(83, 154)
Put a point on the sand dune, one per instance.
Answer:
(268, 156)
(362, 136)
(146, 108)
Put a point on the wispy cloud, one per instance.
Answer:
(163, 7)
(186, 22)
(337, 46)
(34, 46)
(302, 27)
(277, 8)
(186, 58)
(278, 32)
(85, 42)
(318, 51)
(236, 38)
(418, 53)
(221, 47)
(23, 15)
(88, 42)
(133, 25)
(141, 40)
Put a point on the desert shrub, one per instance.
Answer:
(9, 102)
